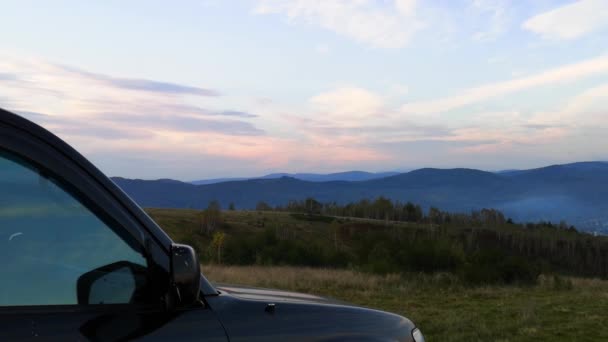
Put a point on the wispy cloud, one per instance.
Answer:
(586, 109)
(89, 127)
(31, 115)
(562, 74)
(180, 123)
(382, 25)
(195, 110)
(141, 84)
(236, 113)
(160, 87)
(570, 21)
(94, 130)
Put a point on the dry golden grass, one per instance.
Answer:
(287, 277)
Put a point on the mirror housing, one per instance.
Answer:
(185, 274)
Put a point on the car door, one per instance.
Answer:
(74, 263)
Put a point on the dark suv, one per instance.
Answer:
(81, 261)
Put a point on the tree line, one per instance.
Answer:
(482, 246)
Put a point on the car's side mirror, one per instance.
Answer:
(185, 273)
(121, 282)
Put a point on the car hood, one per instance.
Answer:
(271, 295)
(298, 317)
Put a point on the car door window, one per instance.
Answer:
(51, 244)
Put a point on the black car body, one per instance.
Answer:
(81, 261)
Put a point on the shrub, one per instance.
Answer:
(493, 266)
(433, 256)
(562, 284)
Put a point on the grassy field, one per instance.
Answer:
(570, 310)
(446, 309)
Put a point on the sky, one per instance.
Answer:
(210, 88)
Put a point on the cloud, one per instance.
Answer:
(95, 131)
(180, 123)
(236, 113)
(425, 144)
(587, 108)
(85, 127)
(495, 14)
(570, 21)
(190, 109)
(103, 109)
(5, 103)
(322, 49)
(389, 25)
(539, 126)
(4, 76)
(31, 115)
(409, 131)
(348, 103)
(140, 84)
(562, 74)
(160, 87)
(516, 132)
(356, 117)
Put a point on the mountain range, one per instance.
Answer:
(576, 193)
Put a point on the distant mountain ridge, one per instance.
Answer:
(351, 176)
(577, 192)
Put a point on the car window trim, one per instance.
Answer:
(47, 160)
